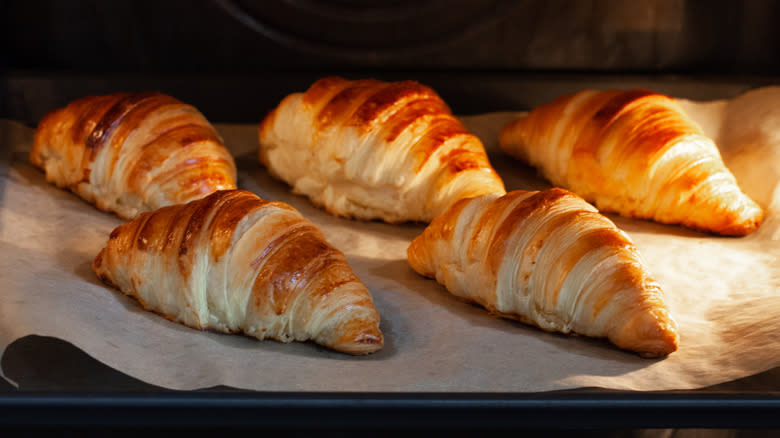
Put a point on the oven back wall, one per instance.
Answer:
(254, 53)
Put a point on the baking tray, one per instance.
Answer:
(58, 384)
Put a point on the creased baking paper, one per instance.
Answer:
(722, 291)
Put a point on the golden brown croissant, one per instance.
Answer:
(132, 152)
(636, 153)
(551, 260)
(235, 263)
(375, 150)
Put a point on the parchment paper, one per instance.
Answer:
(722, 291)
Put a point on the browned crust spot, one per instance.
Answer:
(285, 269)
(458, 160)
(402, 119)
(321, 88)
(388, 95)
(618, 103)
(113, 117)
(539, 200)
(223, 226)
(439, 132)
(336, 109)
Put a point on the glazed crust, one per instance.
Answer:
(551, 260)
(132, 152)
(368, 149)
(635, 153)
(236, 263)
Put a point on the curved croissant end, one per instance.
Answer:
(132, 152)
(375, 150)
(636, 153)
(551, 260)
(236, 263)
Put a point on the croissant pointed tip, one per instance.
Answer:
(657, 353)
(659, 347)
(366, 340)
(742, 228)
(363, 346)
(651, 335)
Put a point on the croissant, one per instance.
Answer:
(551, 260)
(635, 153)
(233, 262)
(132, 152)
(368, 149)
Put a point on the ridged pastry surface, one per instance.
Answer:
(236, 263)
(132, 152)
(635, 153)
(369, 149)
(551, 260)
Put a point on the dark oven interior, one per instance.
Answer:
(235, 59)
